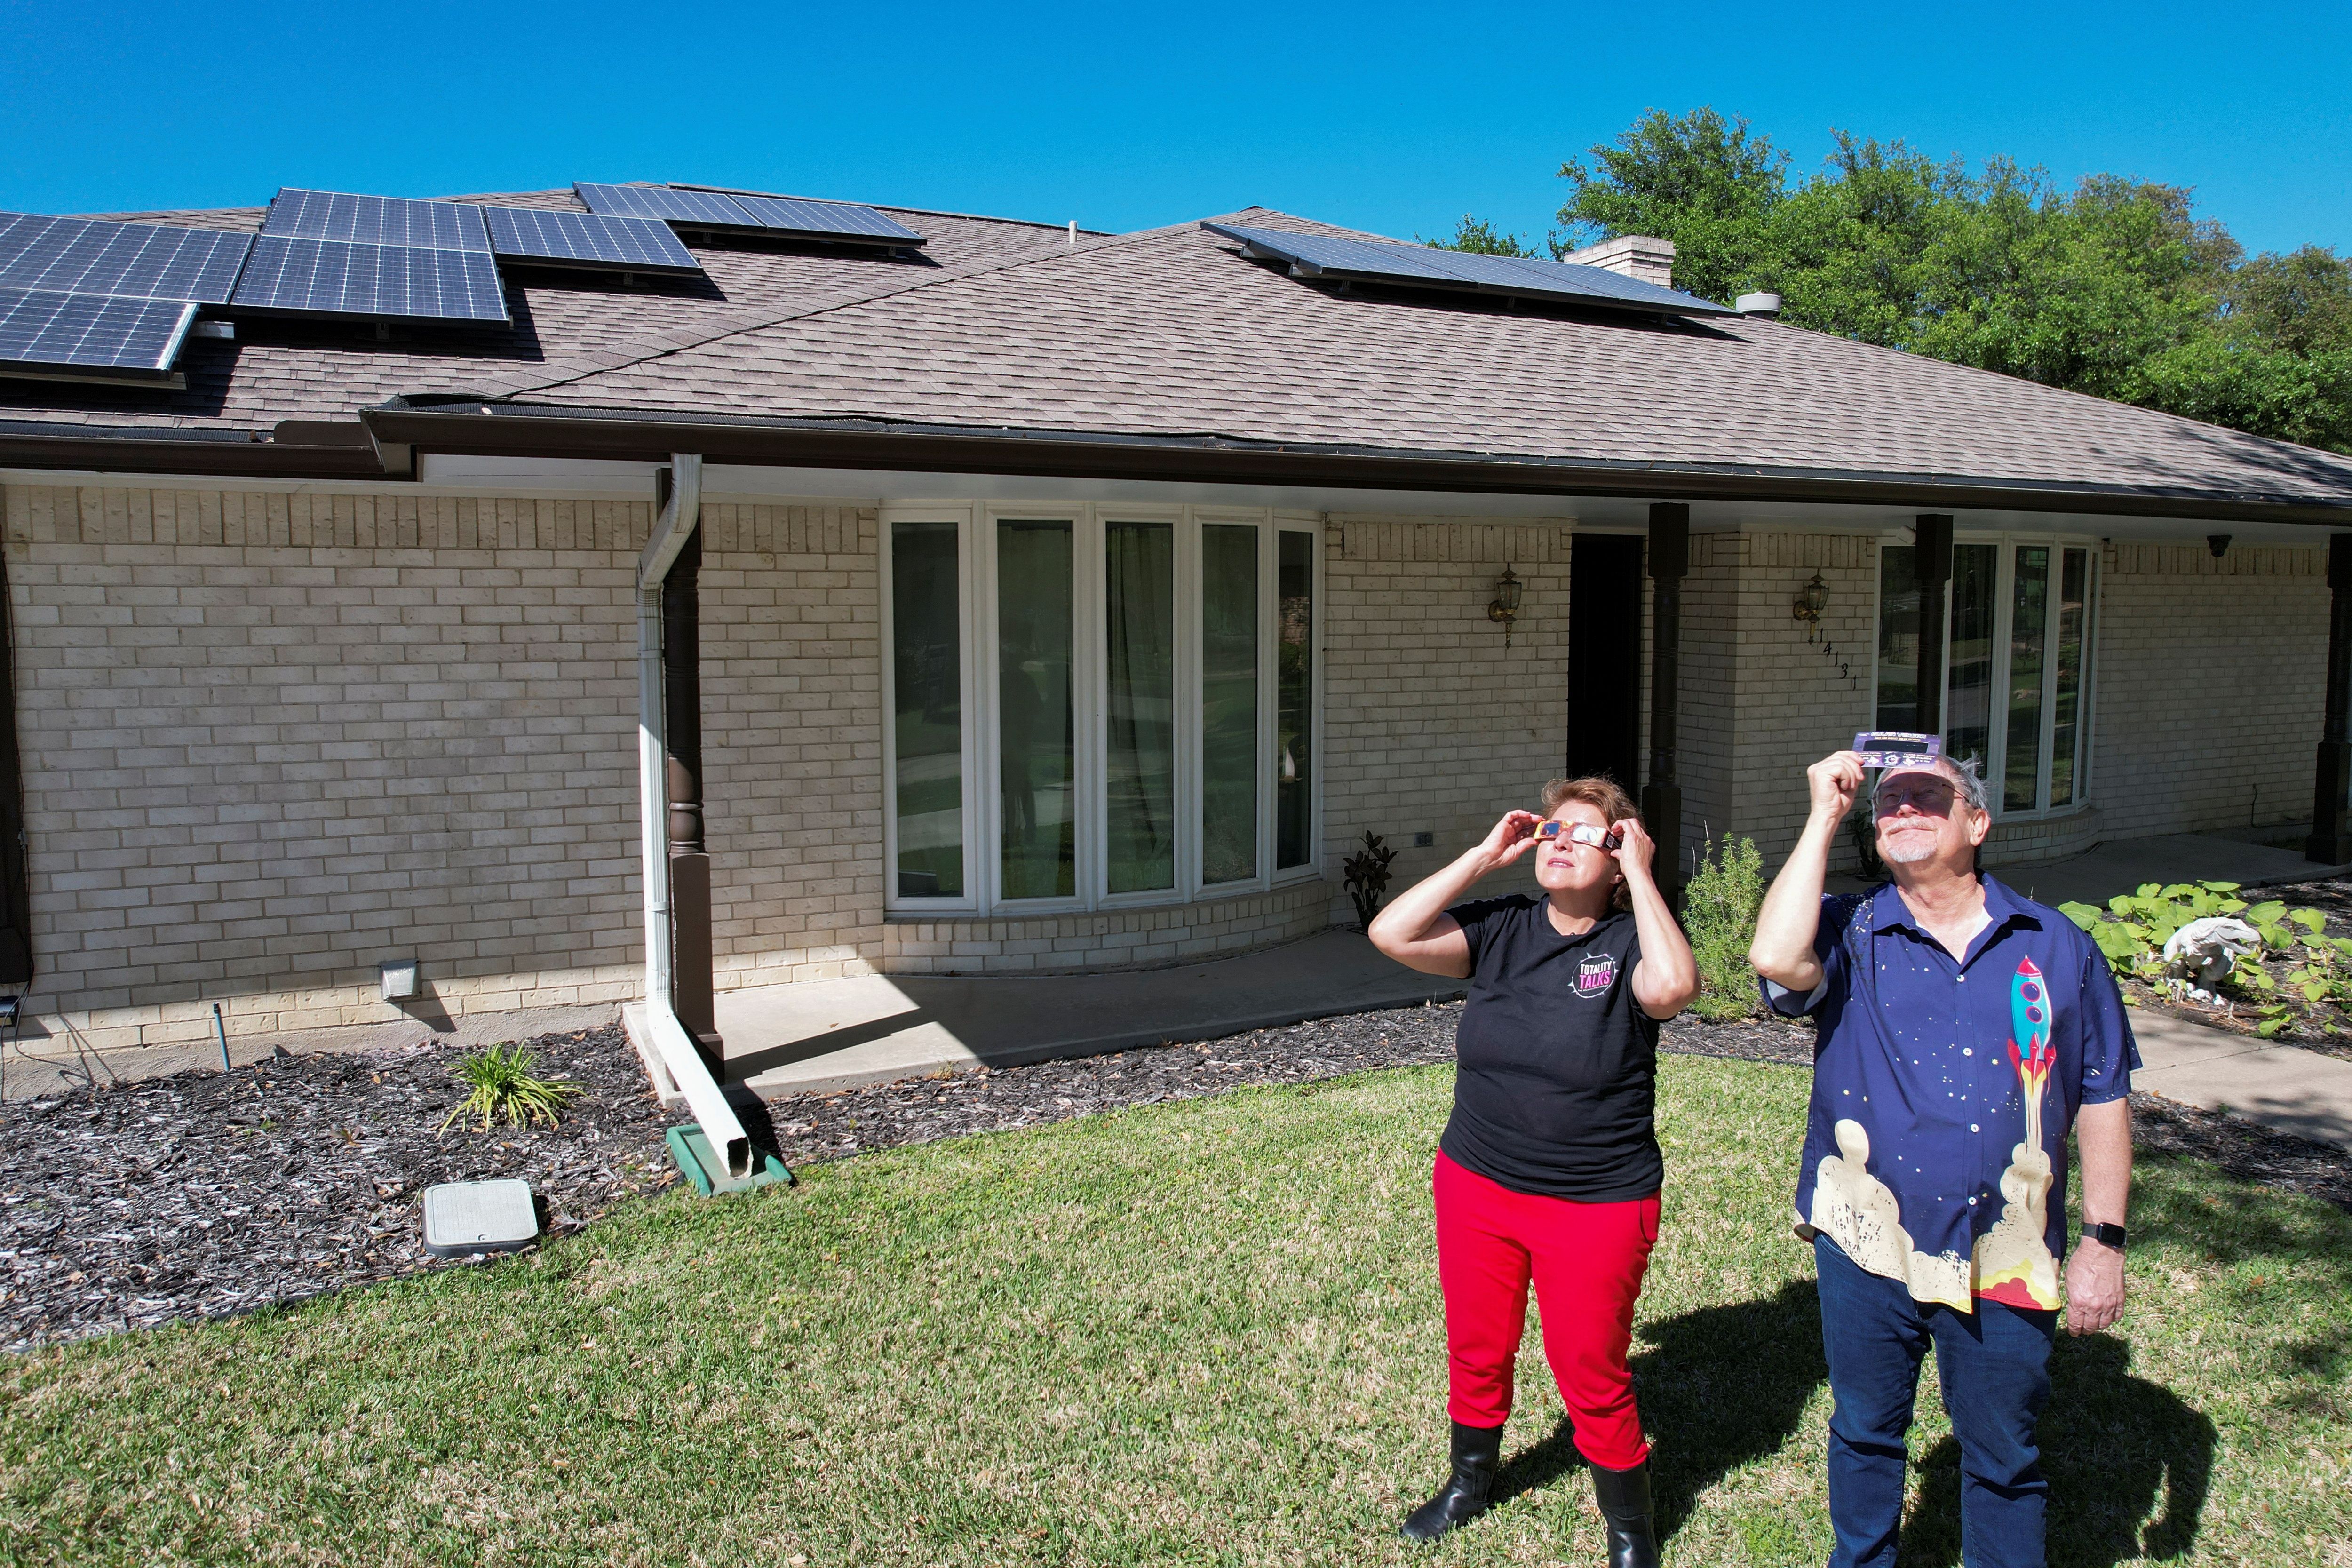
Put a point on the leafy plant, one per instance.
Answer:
(1366, 872)
(2134, 927)
(1719, 905)
(500, 1082)
(1861, 828)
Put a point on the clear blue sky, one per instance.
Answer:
(1393, 117)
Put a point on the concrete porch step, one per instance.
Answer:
(820, 1036)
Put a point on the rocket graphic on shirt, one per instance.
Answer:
(2014, 1263)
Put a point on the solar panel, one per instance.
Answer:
(705, 207)
(139, 260)
(587, 239)
(377, 220)
(326, 278)
(91, 336)
(1386, 261)
(833, 220)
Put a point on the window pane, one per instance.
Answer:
(2029, 624)
(1294, 675)
(1228, 703)
(1968, 686)
(926, 683)
(1899, 637)
(1139, 742)
(2074, 586)
(1033, 639)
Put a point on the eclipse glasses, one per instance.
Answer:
(1578, 833)
(1896, 749)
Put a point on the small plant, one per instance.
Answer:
(1861, 828)
(2134, 927)
(500, 1083)
(1366, 873)
(1719, 905)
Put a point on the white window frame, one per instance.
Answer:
(978, 602)
(2004, 596)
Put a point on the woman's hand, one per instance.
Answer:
(1635, 849)
(1510, 839)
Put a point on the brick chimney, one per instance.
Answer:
(1634, 256)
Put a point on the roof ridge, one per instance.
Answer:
(644, 349)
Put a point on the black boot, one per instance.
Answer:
(1624, 1499)
(1477, 1454)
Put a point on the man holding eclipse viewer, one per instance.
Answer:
(1963, 1030)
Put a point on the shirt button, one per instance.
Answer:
(1968, 1050)
(1964, 980)
(1974, 1128)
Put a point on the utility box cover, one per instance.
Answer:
(462, 1217)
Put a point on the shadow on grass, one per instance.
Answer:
(2129, 1465)
(1719, 1388)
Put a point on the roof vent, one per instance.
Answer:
(1637, 255)
(1765, 305)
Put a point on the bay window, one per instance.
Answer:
(2018, 633)
(1093, 706)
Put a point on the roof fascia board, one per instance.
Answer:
(470, 429)
(113, 451)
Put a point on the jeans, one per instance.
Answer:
(1994, 1364)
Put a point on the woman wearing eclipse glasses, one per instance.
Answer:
(1549, 1169)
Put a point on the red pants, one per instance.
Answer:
(1587, 1262)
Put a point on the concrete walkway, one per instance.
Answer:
(820, 1036)
(2283, 1088)
(2107, 870)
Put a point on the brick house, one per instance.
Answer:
(1047, 600)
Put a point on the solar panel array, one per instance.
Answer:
(98, 336)
(1386, 261)
(83, 296)
(386, 282)
(137, 260)
(699, 208)
(377, 220)
(796, 216)
(586, 239)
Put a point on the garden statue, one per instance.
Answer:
(2204, 951)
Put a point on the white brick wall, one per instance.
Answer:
(1429, 723)
(271, 740)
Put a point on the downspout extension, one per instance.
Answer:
(681, 513)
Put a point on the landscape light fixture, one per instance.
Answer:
(1811, 601)
(1505, 605)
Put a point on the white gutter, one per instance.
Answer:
(679, 516)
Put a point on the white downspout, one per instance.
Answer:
(679, 517)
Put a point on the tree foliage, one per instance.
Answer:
(2116, 287)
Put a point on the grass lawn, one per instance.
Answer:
(1203, 1332)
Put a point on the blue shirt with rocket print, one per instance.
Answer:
(1943, 1089)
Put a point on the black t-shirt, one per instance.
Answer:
(1556, 1087)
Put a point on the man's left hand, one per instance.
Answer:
(2094, 1287)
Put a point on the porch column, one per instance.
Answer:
(1662, 797)
(691, 989)
(1931, 539)
(2331, 805)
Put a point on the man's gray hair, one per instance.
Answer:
(1967, 781)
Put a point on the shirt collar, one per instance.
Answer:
(1889, 912)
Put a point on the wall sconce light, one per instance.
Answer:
(2219, 543)
(1811, 601)
(1505, 605)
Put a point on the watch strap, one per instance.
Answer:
(2105, 1235)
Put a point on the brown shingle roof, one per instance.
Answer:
(1170, 332)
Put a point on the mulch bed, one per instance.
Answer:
(207, 1194)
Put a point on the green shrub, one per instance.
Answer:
(1719, 906)
(500, 1083)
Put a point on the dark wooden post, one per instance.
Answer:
(691, 990)
(1932, 551)
(2331, 802)
(1662, 797)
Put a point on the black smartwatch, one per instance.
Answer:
(2104, 1235)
